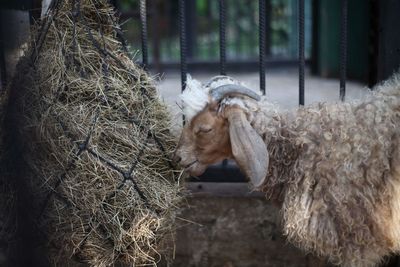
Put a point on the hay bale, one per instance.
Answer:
(96, 141)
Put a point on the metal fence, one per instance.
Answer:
(262, 41)
(228, 172)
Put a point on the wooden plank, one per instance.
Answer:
(199, 189)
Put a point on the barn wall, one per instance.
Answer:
(235, 231)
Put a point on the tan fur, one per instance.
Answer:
(204, 140)
(336, 170)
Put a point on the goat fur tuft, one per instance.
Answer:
(196, 95)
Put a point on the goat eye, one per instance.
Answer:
(203, 130)
(206, 130)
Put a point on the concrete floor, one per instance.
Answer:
(281, 87)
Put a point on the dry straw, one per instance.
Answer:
(97, 141)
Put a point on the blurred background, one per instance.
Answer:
(373, 52)
(369, 34)
(202, 28)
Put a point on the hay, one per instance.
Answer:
(96, 141)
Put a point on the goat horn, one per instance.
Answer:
(217, 78)
(230, 89)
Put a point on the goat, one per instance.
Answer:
(335, 168)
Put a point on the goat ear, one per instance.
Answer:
(248, 148)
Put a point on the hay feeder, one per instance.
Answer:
(96, 142)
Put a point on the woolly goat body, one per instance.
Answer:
(335, 168)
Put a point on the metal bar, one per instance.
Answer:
(3, 70)
(301, 52)
(52, 12)
(182, 39)
(373, 38)
(114, 3)
(268, 12)
(222, 48)
(239, 65)
(343, 50)
(202, 189)
(143, 32)
(222, 37)
(228, 173)
(155, 22)
(315, 9)
(31, 12)
(190, 28)
(262, 42)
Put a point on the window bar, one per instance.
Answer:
(114, 3)
(143, 32)
(222, 37)
(182, 39)
(301, 52)
(343, 50)
(262, 42)
(3, 71)
(222, 49)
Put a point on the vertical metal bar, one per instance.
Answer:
(182, 36)
(143, 32)
(301, 52)
(155, 35)
(268, 19)
(262, 44)
(222, 48)
(315, 13)
(31, 14)
(114, 3)
(222, 37)
(3, 71)
(343, 50)
(191, 28)
(373, 38)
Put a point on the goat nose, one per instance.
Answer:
(177, 158)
